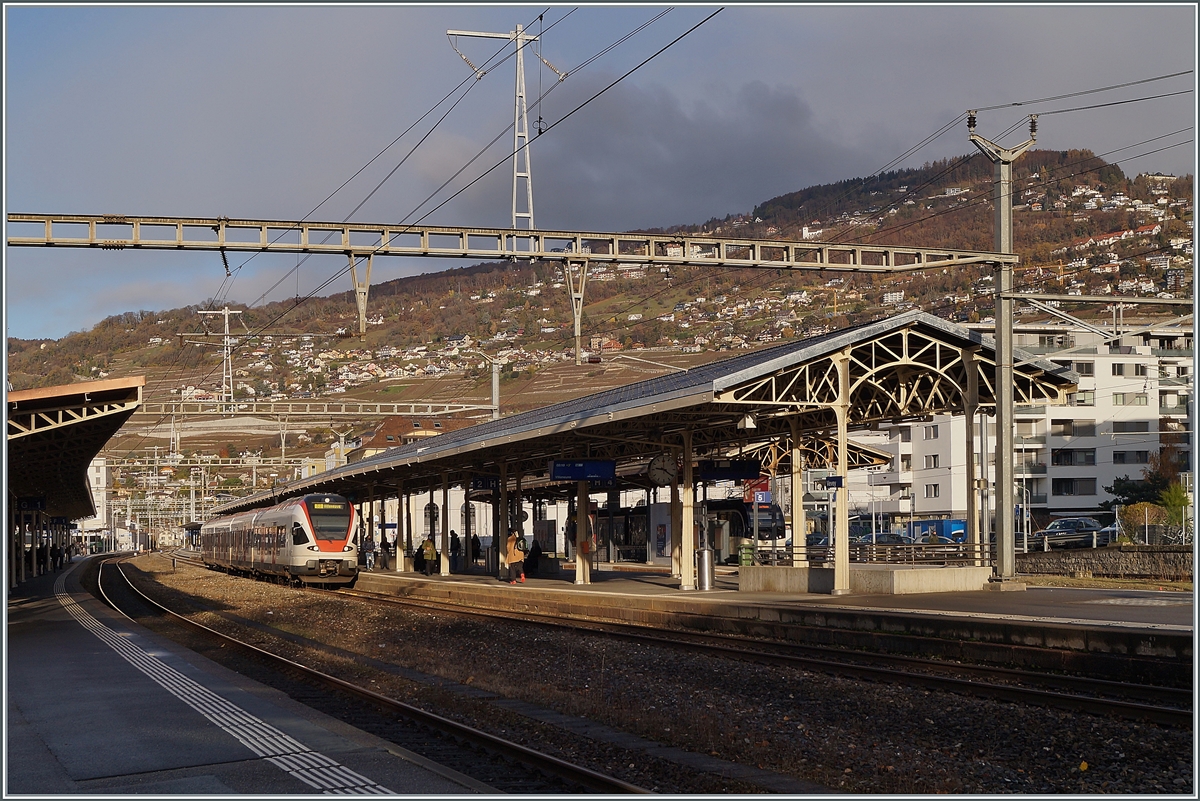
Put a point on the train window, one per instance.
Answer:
(330, 517)
(299, 535)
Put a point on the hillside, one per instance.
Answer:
(1081, 226)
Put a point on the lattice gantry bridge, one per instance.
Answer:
(361, 242)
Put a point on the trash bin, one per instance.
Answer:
(746, 554)
(704, 569)
(491, 561)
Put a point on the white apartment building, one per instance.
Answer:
(99, 476)
(1130, 395)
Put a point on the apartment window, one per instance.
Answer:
(1131, 457)
(1026, 428)
(932, 490)
(1085, 368)
(1118, 368)
(1118, 399)
(1082, 398)
(1073, 486)
(1181, 370)
(906, 461)
(1085, 428)
(1140, 399)
(1131, 426)
(931, 461)
(931, 432)
(1073, 457)
(1141, 370)
(906, 434)
(1062, 428)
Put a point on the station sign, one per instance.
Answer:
(60, 521)
(833, 482)
(34, 503)
(591, 470)
(762, 497)
(728, 469)
(485, 483)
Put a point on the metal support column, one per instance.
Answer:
(687, 525)
(583, 544)
(575, 273)
(500, 537)
(799, 524)
(841, 534)
(445, 548)
(1002, 158)
(970, 409)
(361, 288)
(676, 527)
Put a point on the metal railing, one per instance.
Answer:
(953, 553)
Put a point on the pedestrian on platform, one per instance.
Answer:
(475, 546)
(55, 558)
(531, 561)
(429, 551)
(455, 550)
(515, 555)
(369, 550)
(383, 552)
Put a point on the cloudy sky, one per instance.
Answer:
(262, 112)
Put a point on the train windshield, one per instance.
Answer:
(330, 517)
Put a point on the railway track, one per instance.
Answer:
(501, 764)
(1164, 705)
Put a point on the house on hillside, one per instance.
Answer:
(400, 430)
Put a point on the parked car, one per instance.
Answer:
(1069, 532)
(882, 538)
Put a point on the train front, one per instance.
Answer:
(323, 546)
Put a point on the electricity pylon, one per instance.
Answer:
(521, 167)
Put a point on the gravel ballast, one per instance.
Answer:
(818, 730)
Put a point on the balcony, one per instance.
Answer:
(1030, 469)
(1172, 353)
(1035, 500)
(1179, 408)
(889, 478)
(1030, 410)
(1036, 439)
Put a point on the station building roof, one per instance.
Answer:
(55, 432)
(905, 367)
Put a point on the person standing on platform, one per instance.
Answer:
(515, 555)
(475, 548)
(429, 551)
(54, 563)
(531, 561)
(455, 550)
(369, 551)
(384, 548)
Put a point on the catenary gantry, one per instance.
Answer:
(576, 250)
(797, 395)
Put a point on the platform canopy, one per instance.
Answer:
(55, 432)
(906, 367)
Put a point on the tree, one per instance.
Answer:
(1175, 500)
(1136, 519)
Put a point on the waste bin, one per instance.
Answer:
(704, 569)
(491, 561)
(746, 554)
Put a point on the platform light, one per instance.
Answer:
(747, 422)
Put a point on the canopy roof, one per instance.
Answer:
(909, 366)
(55, 432)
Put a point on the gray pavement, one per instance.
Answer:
(99, 705)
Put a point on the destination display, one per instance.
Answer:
(728, 469)
(592, 470)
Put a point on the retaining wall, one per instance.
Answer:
(1164, 562)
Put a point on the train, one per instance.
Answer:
(305, 540)
(730, 524)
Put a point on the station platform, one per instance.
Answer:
(1125, 635)
(100, 705)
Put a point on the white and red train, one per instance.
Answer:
(306, 540)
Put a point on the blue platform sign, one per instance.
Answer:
(833, 482)
(728, 469)
(594, 470)
(762, 497)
